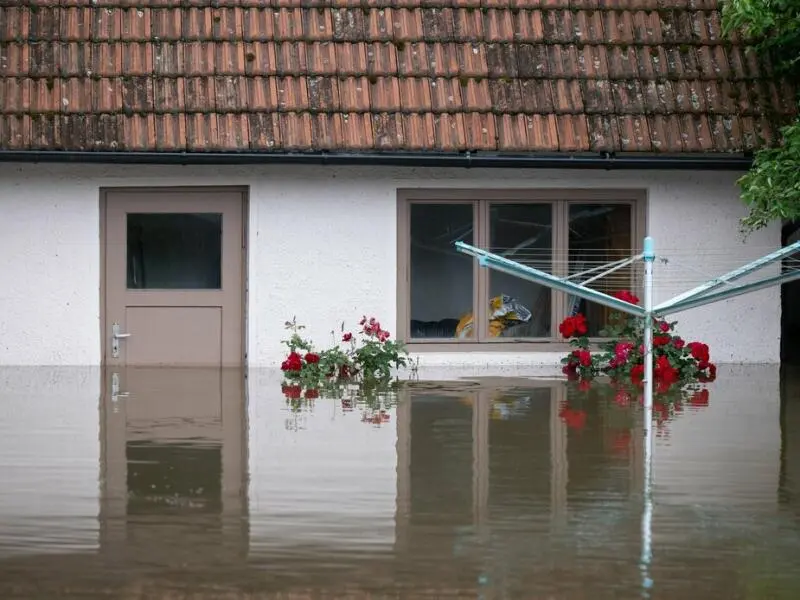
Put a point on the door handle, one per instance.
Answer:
(116, 336)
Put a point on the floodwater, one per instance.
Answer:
(204, 484)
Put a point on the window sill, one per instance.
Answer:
(504, 346)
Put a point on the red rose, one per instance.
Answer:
(678, 343)
(664, 372)
(573, 326)
(383, 336)
(660, 340)
(347, 337)
(621, 351)
(637, 374)
(663, 326)
(312, 358)
(585, 358)
(626, 296)
(292, 363)
(699, 351)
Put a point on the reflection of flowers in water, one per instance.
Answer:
(375, 416)
(617, 404)
(373, 400)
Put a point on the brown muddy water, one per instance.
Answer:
(207, 484)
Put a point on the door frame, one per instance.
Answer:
(245, 204)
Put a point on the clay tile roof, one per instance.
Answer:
(367, 76)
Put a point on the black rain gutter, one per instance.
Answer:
(607, 161)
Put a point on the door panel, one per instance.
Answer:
(193, 333)
(174, 277)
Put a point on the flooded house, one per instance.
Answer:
(178, 180)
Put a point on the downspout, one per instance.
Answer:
(605, 161)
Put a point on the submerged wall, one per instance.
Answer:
(323, 247)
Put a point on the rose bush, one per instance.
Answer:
(622, 356)
(365, 357)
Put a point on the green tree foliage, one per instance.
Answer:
(771, 189)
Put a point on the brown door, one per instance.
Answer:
(174, 278)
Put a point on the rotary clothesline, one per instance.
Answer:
(711, 290)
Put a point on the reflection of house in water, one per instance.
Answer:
(469, 483)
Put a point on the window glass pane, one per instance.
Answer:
(441, 278)
(174, 251)
(524, 233)
(599, 233)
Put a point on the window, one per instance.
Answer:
(445, 296)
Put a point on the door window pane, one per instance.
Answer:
(174, 251)
(524, 233)
(441, 278)
(599, 233)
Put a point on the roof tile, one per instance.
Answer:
(512, 132)
(45, 131)
(418, 131)
(542, 132)
(634, 134)
(135, 24)
(170, 132)
(167, 24)
(17, 95)
(476, 95)
(348, 24)
(379, 25)
(389, 131)
(445, 95)
(439, 75)
(323, 94)
(199, 57)
(665, 131)
(139, 131)
(449, 132)
(233, 132)
(354, 94)
(381, 59)
(479, 131)
(356, 131)
(573, 133)
(264, 131)
(351, 59)
(295, 130)
(76, 23)
(200, 94)
(169, 95)
(291, 58)
(603, 133)
(415, 94)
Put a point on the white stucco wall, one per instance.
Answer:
(323, 248)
